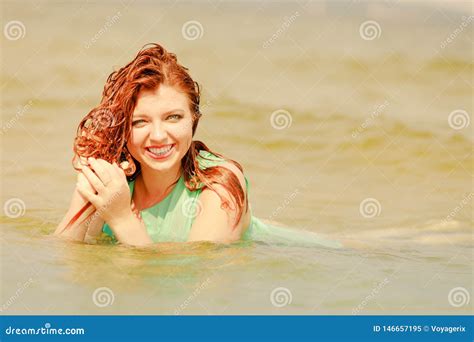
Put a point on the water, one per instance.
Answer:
(369, 119)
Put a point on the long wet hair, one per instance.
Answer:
(104, 131)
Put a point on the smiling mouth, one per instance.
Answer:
(160, 152)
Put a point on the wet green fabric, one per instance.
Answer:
(171, 219)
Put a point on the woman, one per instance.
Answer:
(142, 179)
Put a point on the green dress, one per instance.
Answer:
(171, 219)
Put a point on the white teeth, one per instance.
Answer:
(160, 151)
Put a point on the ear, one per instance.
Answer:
(127, 163)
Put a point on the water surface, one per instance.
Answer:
(369, 120)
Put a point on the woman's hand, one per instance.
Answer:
(84, 184)
(110, 195)
(89, 223)
(105, 186)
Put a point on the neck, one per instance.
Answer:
(157, 184)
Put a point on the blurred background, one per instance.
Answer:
(350, 118)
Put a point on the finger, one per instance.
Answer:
(78, 162)
(118, 170)
(81, 179)
(101, 168)
(115, 172)
(106, 165)
(88, 195)
(93, 179)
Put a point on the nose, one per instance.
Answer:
(158, 132)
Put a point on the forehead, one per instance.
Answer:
(161, 100)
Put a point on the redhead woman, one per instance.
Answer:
(142, 179)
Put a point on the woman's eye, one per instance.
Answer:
(137, 122)
(174, 117)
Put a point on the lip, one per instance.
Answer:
(158, 146)
(164, 156)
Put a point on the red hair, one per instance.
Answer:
(104, 131)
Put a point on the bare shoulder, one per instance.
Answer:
(221, 190)
(236, 171)
(216, 222)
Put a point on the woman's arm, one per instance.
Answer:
(110, 195)
(215, 223)
(92, 226)
(130, 230)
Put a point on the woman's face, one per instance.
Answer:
(161, 129)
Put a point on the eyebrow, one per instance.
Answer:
(163, 114)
